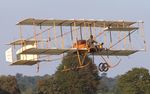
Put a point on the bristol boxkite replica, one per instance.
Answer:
(41, 38)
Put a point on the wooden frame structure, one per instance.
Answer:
(59, 33)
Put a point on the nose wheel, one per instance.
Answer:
(103, 67)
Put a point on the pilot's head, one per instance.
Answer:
(91, 36)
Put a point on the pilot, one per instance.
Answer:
(91, 43)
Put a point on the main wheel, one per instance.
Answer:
(103, 67)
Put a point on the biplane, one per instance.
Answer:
(51, 37)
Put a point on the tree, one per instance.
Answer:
(107, 84)
(46, 86)
(136, 81)
(8, 85)
(27, 84)
(78, 81)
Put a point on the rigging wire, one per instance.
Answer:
(97, 36)
(37, 34)
(90, 54)
(121, 39)
(116, 44)
(76, 30)
(54, 37)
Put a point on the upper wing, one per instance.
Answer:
(75, 22)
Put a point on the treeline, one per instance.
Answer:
(77, 81)
(20, 84)
(46, 84)
(135, 81)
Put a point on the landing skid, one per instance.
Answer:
(75, 68)
(104, 67)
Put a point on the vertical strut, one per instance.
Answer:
(90, 30)
(125, 40)
(71, 33)
(110, 39)
(54, 30)
(94, 30)
(130, 40)
(62, 38)
(48, 41)
(119, 46)
(76, 33)
(81, 32)
(105, 36)
(20, 33)
(41, 37)
(85, 30)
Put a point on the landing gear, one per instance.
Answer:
(103, 67)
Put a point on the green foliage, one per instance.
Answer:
(46, 86)
(78, 81)
(8, 85)
(27, 84)
(107, 85)
(136, 81)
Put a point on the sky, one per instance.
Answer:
(12, 11)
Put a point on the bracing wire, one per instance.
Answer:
(116, 44)
(56, 36)
(69, 32)
(40, 33)
(121, 39)
(97, 36)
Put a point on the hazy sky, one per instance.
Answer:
(12, 11)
